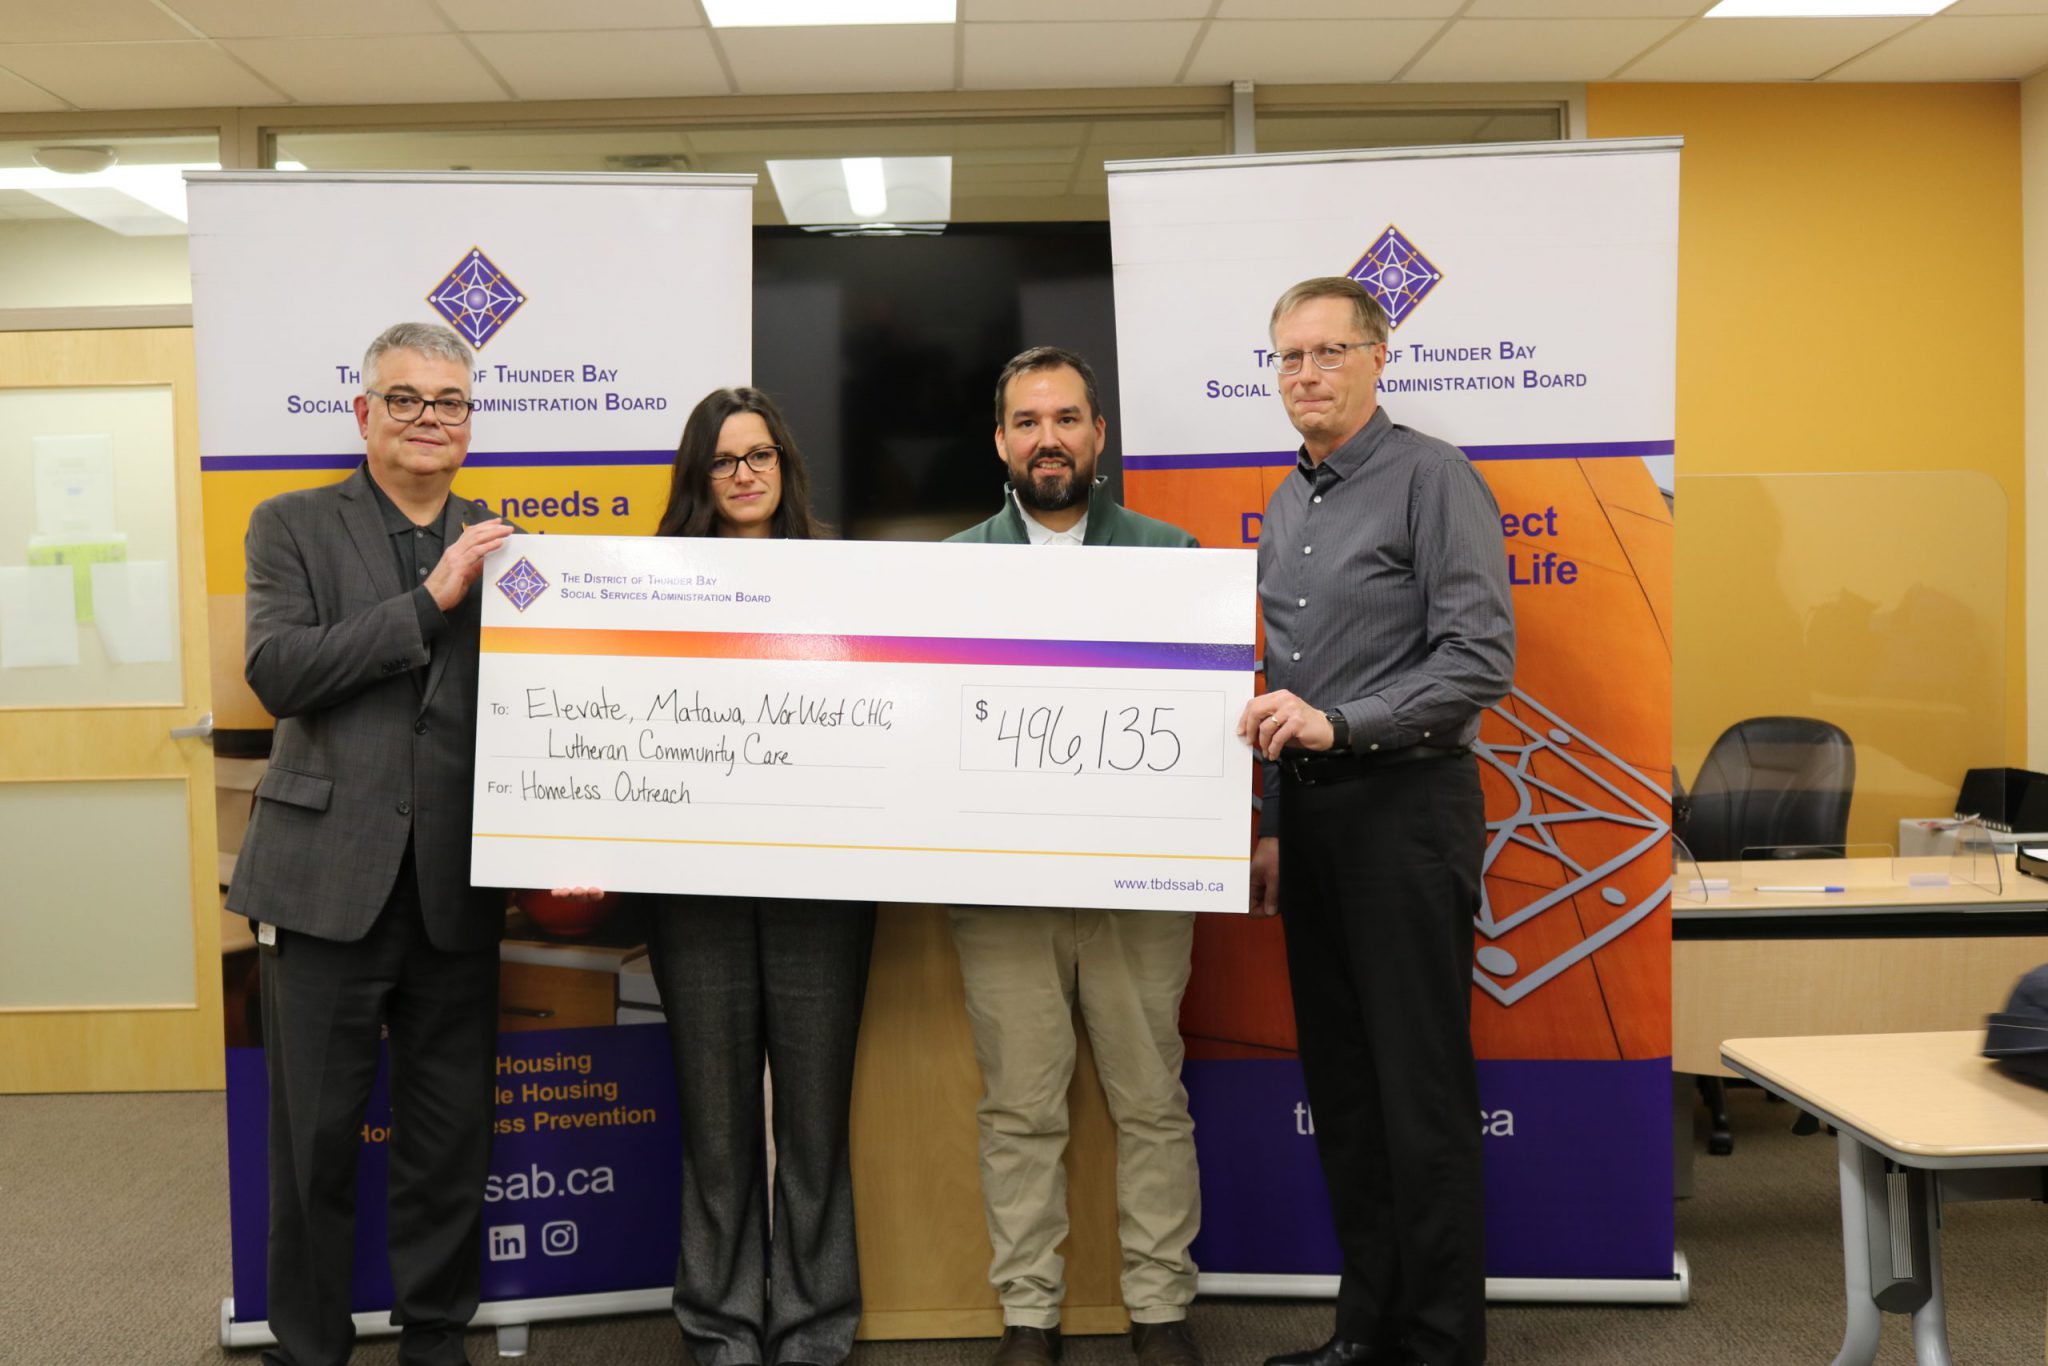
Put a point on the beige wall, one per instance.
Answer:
(69, 263)
(2034, 212)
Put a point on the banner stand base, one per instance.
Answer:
(510, 1317)
(1675, 1289)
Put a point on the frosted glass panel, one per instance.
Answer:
(1872, 602)
(98, 910)
(88, 548)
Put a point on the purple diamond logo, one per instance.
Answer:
(522, 584)
(1395, 272)
(476, 298)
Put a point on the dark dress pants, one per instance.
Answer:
(747, 981)
(1379, 881)
(323, 1004)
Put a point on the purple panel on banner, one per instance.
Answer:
(585, 1186)
(1583, 1186)
(1578, 1169)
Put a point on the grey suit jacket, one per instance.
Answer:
(376, 730)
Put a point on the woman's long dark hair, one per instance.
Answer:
(692, 511)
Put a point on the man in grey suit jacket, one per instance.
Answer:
(364, 600)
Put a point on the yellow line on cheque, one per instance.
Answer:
(871, 848)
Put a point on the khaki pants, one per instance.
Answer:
(1025, 970)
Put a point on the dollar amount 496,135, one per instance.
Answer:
(1091, 730)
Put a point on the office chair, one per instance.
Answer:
(1777, 782)
(1773, 781)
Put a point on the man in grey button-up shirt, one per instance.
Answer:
(1383, 583)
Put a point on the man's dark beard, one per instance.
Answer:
(1051, 497)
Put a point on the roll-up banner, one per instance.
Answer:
(1532, 291)
(600, 309)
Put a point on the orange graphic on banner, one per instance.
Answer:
(1577, 782)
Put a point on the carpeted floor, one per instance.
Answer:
(114, 1249)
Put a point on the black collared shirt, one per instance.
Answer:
(418, 549)
(1384, 587)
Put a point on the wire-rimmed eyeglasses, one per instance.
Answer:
(1328, 356)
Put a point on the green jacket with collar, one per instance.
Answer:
(1109, 523)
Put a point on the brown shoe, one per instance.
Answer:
(1022, 1346)
(1165, 1344)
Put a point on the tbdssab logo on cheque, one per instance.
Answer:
(476, 298)
(1396, 273)
(522, 584)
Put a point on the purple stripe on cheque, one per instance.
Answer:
(480, 460)
(1259, 460)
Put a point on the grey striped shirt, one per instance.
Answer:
(1384, 585)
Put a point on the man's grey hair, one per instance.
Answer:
(427, 339)
(1372, 319)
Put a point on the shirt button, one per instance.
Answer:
(1308, 550)
(1425, 735)
(1297, 654)
(1302, 603)
(1372, 746)
(405, 808)
(419, 728)
(1317, 499)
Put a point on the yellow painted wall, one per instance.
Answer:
(1850, 305)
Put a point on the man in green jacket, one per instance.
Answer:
(1026, 969)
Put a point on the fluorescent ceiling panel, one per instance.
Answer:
(135, 201)
(913, 190)
(1826, 9)
(823, 13)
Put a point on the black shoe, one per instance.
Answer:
(1022, 1346)
(1335, 1352)
(1165, 1344)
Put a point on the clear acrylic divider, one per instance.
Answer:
(1689, 886)
(1976, 860)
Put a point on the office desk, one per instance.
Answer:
(1878, 958)
(1920, 1119)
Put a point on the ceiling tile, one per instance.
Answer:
(1762, 49)
(1945, 49)
(186, 75)
(1051, 56)
(1338, 9)
(528, 16)
(1586, 9)
(423, 69)
(1282, 52)
(307, 18)
(87, 21)
(1086, 11)
(1537, 49)
(782, 61)
(605, 66)
(17, 96)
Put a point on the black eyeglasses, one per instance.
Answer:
(452, 412)
(760, 460)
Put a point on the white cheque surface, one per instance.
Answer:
(1007, 725)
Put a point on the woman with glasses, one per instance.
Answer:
(747, 980)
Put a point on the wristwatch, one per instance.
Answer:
(1340, 730)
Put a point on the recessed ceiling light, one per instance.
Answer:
(1827, 9)
(806, 13)
(867, 194)
(862, 190)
